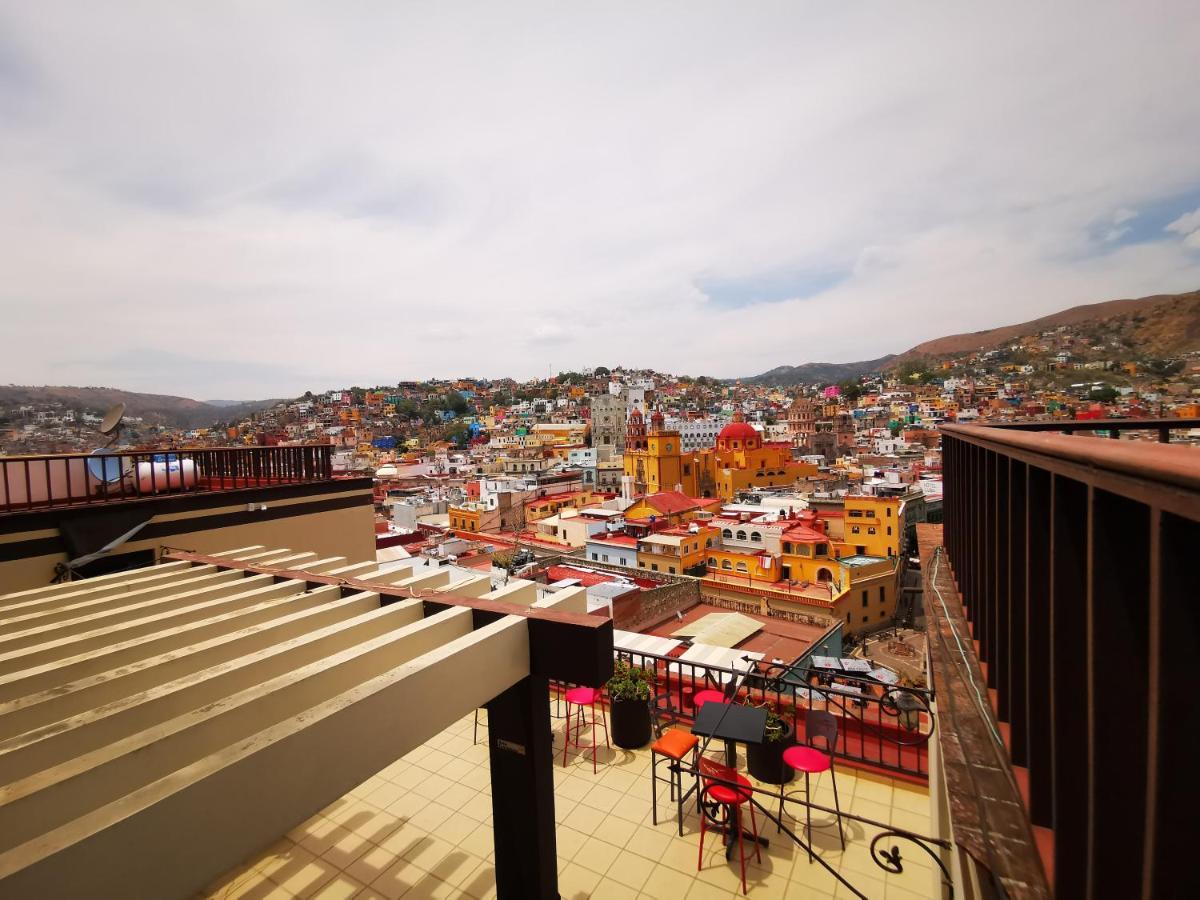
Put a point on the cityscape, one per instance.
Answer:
(677, 453)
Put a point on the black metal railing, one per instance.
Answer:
(1072, 558)
(884, 726)
(81, 479)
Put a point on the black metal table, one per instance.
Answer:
(732, 723)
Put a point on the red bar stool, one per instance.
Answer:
(579, 698)
(672, 747)
(812, 761)
(730, 799)
(710, 696)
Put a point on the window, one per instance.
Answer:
(597, 558)
(822, 549)
(889, 531)
(854, 529)
(654, 566)
(712, 561)
(672, 570)
(687, 469)
(725, 564)
(606, 557)
(889, 509)
(866, 619)
(881, 595)
(870, 530)
(741, 535)
(856, 513)
(860, 550)
(864, 598)
(741, 567)
(727, 533)
(668, 446)
(756, 537)
(824, 575)
(641, 565)
(787, 546)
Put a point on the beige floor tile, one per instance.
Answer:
(396, 881)
(613, 890)
(307, 879)
(480, 884)
(340, 887)
(597, 855)
(667, 882)
(615, 831)
(372, 864)
(568, 841)
(577, 882)
(702, 891)
(630, 869)
(345, 851)
(584, 819)
(431, 816)
(602, 798)
(456, 866)
(650, 842)
(432, 786)
(480, 842)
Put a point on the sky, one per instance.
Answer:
(246, 200)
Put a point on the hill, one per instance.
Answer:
(820, 373)
(158, 409)
(1157, 326)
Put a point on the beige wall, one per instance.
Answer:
(340, 532)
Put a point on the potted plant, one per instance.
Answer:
(629, 693)
(765, 760)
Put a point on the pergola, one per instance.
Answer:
(159, 726)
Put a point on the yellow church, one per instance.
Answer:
(655, 459)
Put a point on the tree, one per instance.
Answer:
(1105, 394)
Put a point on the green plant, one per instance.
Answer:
(776, 729)
(629, 682)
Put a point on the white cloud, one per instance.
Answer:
(385, 191)
(1186, 224)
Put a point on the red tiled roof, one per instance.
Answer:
(669, 502)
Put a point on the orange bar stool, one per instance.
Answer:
(672, 748)
(729, 799)
(581, 698)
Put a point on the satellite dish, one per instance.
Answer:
(111, 423)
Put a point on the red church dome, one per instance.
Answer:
(737, 430)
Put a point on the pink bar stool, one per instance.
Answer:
(579, 698)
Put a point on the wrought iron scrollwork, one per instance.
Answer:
(890, 860)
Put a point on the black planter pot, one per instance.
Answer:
(765, 760)
(630, 721)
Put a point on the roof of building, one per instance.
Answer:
(672, 502)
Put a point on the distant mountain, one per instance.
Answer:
(1159, 325)
(158, 409)
(820, 373)
(1156, 326)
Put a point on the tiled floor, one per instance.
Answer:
(422, 828)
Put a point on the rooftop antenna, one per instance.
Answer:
(111, 423)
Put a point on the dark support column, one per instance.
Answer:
(522, 765)
(1000, 647)
(1012, 698)
(1037, 642)
(1118, 632)
(1069, 683)
(1173, 778)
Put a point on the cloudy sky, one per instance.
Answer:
(254, 199)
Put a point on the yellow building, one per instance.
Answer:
(677, 551)
(655, 459)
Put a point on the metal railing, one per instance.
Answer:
(82, 479)
(1073, 560)
(884, 726)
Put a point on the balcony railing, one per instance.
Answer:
(882, 726)
(81, 479)
(1072, 556)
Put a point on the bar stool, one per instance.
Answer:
(672, 747)
(709, 696)
(579, 698)
(812, 761)
(730, 799)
